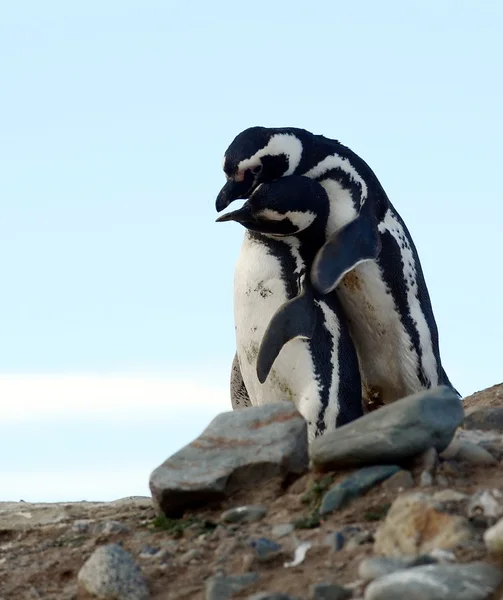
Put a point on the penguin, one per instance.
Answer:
(292, 342)
(239, 394)
(368, 255)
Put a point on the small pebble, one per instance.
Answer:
(148, 552)
(282, 530)
(337, 539)
(402, 480)
(222, 588)
(426, 479)
(110, 527)
(82, 525)
(329, 591)
(475, 455)
(442, 556)
(486, 506)
(355, 485)
(449, 496)
(428, 460)
(110, 573)
(265, 550)
(364, 537)
(244, 514)
(189, 556)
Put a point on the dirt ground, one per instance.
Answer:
(42, 547)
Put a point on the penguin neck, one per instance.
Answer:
(312, 238)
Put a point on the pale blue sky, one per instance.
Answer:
(114, 117)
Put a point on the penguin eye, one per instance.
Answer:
(256, 170)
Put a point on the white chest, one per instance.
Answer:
(260, 288)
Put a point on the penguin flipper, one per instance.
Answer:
(294, 319)
(355, 242)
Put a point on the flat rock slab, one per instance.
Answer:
(354, 486)
(238, 449)
(393, 433)
(475, 581)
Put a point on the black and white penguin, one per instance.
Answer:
(239, 394)
(385, 295)
(292, 342)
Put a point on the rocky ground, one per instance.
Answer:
(383, 512)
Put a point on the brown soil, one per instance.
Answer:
(42, 561)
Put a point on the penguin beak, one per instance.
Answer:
(233, 190)
(242, 215)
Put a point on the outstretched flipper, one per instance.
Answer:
(356, 242)
(239, 394)
(294, 319)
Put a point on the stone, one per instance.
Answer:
(338, 539)
(238, 449)
(191, 555)
(430, 460)
(355, 485)
(265, 550)
(82, 525)
(398, 482)
(475, 581)
(244, 514)
(364, 537)
(372, 568)
(282, 529)
(110, 527)
(328, 591)
(222, 588)
(485, 419)
(493, 538)
(416, 524)
(442, 556)
(111, 573)
(486, 506)
(104, 527)
(396, 432)
(149, 552)
(449, 496)
(474, 454)
(425, 479)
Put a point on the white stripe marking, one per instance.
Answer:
(280, 143)
(336, 161)
(429, 363)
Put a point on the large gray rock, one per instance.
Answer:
(238, 449)
(110, 573)
(392, 433)
(476, 581)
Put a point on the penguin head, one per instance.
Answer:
(255, 156)
(283, 207)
